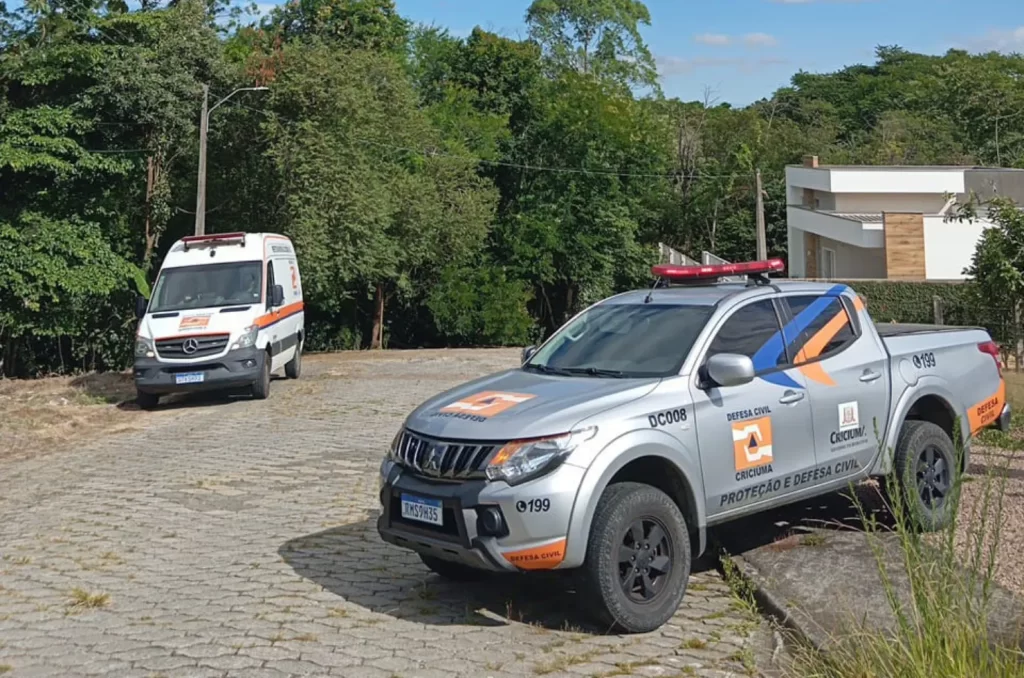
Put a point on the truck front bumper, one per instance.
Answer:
(236, 369)
(485, 525)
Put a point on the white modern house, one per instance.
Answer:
(867, 222)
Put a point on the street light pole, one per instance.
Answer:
(204, 127)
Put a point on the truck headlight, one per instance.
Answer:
(392, 453)
(522, 460)
(144, 348)
(248, 337)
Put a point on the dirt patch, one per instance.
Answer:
(54, 411)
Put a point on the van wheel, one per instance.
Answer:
(638, 558)
(261, 389)
(450, 570)
(293, 368)
(147, 401)
(926, 473)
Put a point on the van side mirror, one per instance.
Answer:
(277, 296)
(727, 369)
(141, 304)
(527, 354)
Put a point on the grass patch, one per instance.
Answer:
(6, 668)
(695, 644)
(941, 600)
(813, 539)
(83, 600)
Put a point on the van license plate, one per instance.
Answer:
(422, 510)
(189, 378)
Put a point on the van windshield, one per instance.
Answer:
(623, 340)
(208, 286)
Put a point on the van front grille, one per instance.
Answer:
(197, 346)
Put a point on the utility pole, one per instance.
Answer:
(762, 239)
(204, 126)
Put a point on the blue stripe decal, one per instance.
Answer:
(767, 356)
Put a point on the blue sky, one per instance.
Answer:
(745, 49)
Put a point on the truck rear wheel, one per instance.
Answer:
(926, 473)
(638, 558)
(450, 570)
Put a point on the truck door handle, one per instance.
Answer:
(869, 376)
(790, 397)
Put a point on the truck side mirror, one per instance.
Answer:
(141, 304)
(276, 296)
(527, 354)
(728, 369)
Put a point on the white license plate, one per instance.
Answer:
(422, 510)
(189, 378)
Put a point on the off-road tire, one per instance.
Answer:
(452, 571)
(620, 506)
(293, 368)
(261, 388)
(918, 440)
(147, 401)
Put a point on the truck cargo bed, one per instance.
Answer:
(886, 330)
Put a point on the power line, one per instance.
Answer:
(434, 153)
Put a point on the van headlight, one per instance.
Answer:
(522, 460)
(248, 337)
(144, 348)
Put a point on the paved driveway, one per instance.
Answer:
(237, 538)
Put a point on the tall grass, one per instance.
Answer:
(938, 592)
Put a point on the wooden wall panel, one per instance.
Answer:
(812, 245)
(904, 246)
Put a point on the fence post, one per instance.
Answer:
(937, 307)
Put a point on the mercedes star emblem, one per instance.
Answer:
(190, 346)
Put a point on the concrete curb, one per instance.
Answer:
(787, 616)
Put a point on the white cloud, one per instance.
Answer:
(669, 66)
(760, 40)
(264, 8)
(716, 39)
(1000, 40)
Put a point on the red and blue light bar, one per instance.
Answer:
(689, 273)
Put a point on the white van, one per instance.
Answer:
(226, 312)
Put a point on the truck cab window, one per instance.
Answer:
(828, 333)
(748, 330)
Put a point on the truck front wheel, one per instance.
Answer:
(638, 558)
(261, 388)
(926, 474)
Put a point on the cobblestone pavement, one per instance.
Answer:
(236, 537)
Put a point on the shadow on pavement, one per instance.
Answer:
(352, 562)
(183, 401)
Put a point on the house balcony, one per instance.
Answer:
(859, 230)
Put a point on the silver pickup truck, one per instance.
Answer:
(656, 414)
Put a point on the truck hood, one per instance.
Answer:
(197, 321)
(519, 404)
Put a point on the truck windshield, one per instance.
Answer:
(623, 340)
(207, 286)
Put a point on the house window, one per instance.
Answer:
(828, 263)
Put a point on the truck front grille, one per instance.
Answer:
(443, 459)
(196, 346)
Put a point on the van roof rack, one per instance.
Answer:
(214, 239)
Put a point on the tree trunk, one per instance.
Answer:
(570, 300)
(377, 334)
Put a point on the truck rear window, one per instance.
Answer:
(624, 340)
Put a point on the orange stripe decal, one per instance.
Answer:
(816, 344)
(544, 557)
(858, 303)
(988, 410)
(279, 314)
(815, 372)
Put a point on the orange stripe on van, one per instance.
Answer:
(279, 314)
(545, 557)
